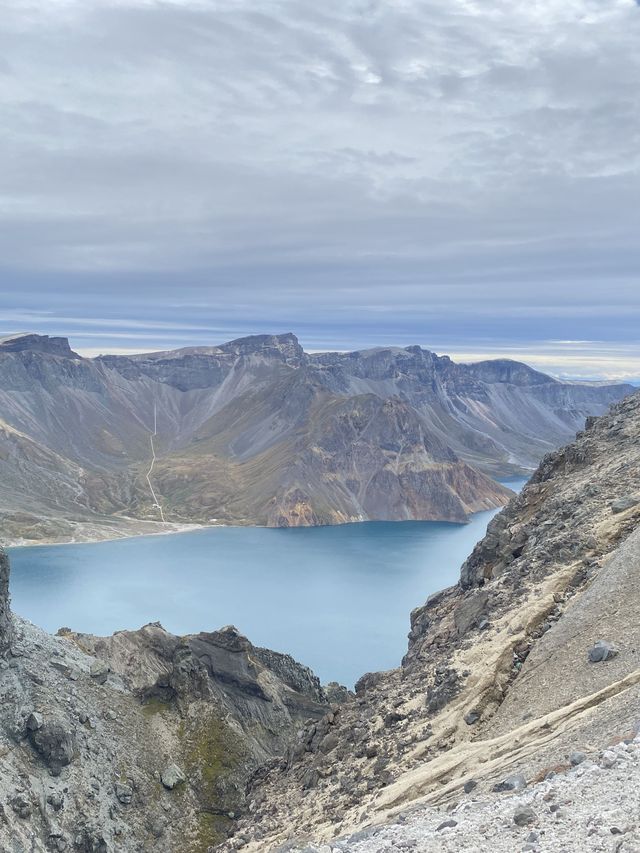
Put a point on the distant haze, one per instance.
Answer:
(460, 174)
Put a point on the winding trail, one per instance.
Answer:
(156, 502)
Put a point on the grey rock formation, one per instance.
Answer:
(172, 776)
(258, 431)
(511, 783)
(54, 741)
(337, 693)
(155, 757)
(5, 613)
(38, 343)
(99, 671)
(524, 815)
(470, 611)
(625, 503)
(506, 648)
(602, 650)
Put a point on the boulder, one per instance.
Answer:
(608, 759)
(310, 779)
(470, 612)
(34, 721)
(445, 686)
(99, 671)
(21, 806)
(124, 793)
(368, 681)
(625, 503)
(55, 743)
(511, 783)
(524, 815)
(329, 742)
(393, 717)
(172, 776)
(601, 651)
(55, 800)
(337, 694)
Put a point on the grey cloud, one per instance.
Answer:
(287, 154)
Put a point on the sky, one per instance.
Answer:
(460, 174)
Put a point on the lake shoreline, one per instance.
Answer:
(111, 536)
(13, 544)
(310, 591)
(128, 531)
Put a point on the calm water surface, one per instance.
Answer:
(337, 598)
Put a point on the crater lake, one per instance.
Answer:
(335, 598)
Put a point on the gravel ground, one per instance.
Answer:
(593, 807)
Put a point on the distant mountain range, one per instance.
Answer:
(256, 431)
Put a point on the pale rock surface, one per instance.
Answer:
(592, 808)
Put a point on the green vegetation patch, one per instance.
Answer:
(214, 754)
(155, 706)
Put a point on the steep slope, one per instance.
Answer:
(256, 431)
(147, 741)
(503, 675)
(500, 415)
(140, 741)
(336, 459)
(591, 807)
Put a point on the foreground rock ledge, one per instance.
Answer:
(139, 741)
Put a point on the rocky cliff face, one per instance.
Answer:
(140, 741)
(5, 615)
(256, 431)
(38, 343)
(531, 658)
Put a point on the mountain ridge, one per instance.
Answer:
(257, 431)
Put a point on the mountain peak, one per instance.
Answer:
(286, 344)
(507, 370)
(24, 341)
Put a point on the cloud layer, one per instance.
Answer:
(410, 166)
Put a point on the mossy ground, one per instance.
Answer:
(155, 706)
(212, 754)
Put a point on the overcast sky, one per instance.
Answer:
(462, 174)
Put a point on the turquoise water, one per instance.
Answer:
(337, 598)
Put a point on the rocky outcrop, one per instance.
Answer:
(220, 666)
(38, 343)
(140, 741)
(5, 615)
(371, 458)
(256, 431)
(530, 661)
